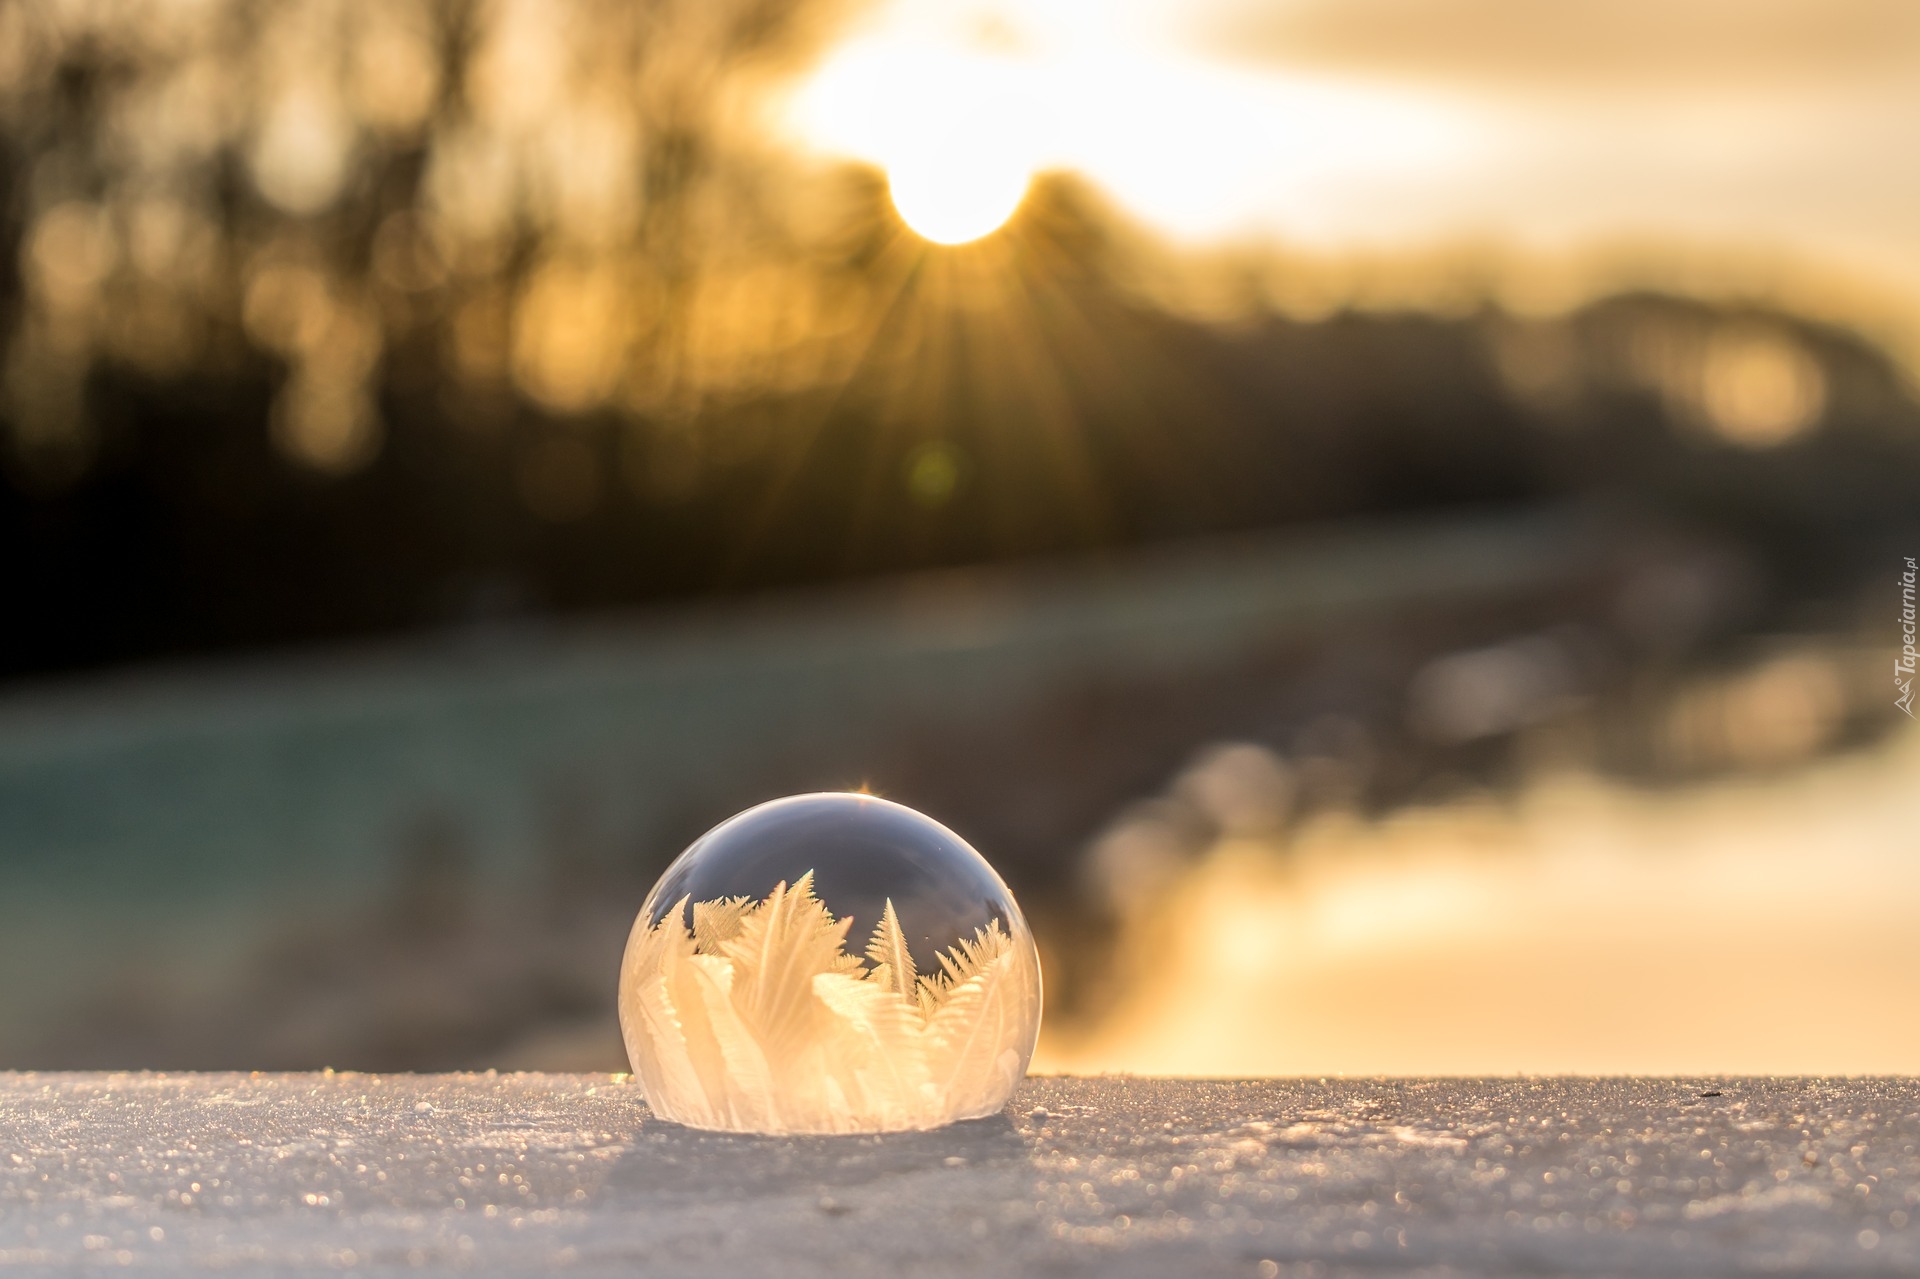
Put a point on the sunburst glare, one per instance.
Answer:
(959, 133)
(958, 192)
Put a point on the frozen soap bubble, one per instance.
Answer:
(829, 963)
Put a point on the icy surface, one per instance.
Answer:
(522, 1174)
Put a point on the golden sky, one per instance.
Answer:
(1776, 134)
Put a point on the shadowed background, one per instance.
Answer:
(1386, 526)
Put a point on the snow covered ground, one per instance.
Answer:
(522, 1174)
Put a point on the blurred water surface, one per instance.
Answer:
(174, 827)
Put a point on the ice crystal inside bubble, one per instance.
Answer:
(829, 963)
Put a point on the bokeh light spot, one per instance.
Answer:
(1760, 388)
(933, 474)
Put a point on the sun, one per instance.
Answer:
(958, 133)
(960, 191)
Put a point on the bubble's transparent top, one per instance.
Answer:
(863, 852)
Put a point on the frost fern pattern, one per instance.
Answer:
(758, 1020)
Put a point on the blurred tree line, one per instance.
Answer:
(334, 317)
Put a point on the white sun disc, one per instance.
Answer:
(958, 192)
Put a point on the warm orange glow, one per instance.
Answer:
(1196, 148)
(1401, 148)
(1749, 927)
(957, 131)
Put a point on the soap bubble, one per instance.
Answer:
(829, 963)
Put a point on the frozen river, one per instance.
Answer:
(523, 1174)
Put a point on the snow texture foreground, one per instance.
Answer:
(523, 1174)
